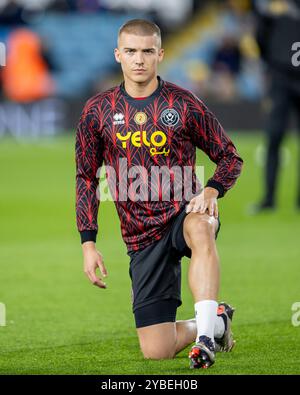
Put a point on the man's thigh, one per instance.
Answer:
(156, 277)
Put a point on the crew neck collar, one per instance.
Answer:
(142, 99)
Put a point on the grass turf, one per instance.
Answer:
(58, 323)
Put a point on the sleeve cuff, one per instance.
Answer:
(88, 235)
(217, 185)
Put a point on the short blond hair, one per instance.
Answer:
(141, 27)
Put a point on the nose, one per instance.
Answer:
(139, 59)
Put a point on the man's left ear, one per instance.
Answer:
(161, 54)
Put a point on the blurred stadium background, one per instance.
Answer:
(59, 53)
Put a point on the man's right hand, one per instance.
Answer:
(93, 259)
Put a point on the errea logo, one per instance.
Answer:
(118, 119)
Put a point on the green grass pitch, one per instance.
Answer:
(58, 323)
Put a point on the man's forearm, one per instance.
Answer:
(88, 246)
(211, 183)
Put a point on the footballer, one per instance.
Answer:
(148, 123)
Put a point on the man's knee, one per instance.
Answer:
(151, 352)
(158, 341)
(199, 229)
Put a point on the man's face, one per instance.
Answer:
(139, 56)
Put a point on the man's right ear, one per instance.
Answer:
(117, 55)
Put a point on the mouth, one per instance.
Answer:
(139, 70)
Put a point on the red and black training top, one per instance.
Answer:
(162, 129)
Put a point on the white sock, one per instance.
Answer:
(219, 327)
(206, 313)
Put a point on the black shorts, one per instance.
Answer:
(155, 272)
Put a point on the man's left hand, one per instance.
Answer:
(205, 202)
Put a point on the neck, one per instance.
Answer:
(140, 89)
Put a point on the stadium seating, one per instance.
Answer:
(81, 47)
(197, 54)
